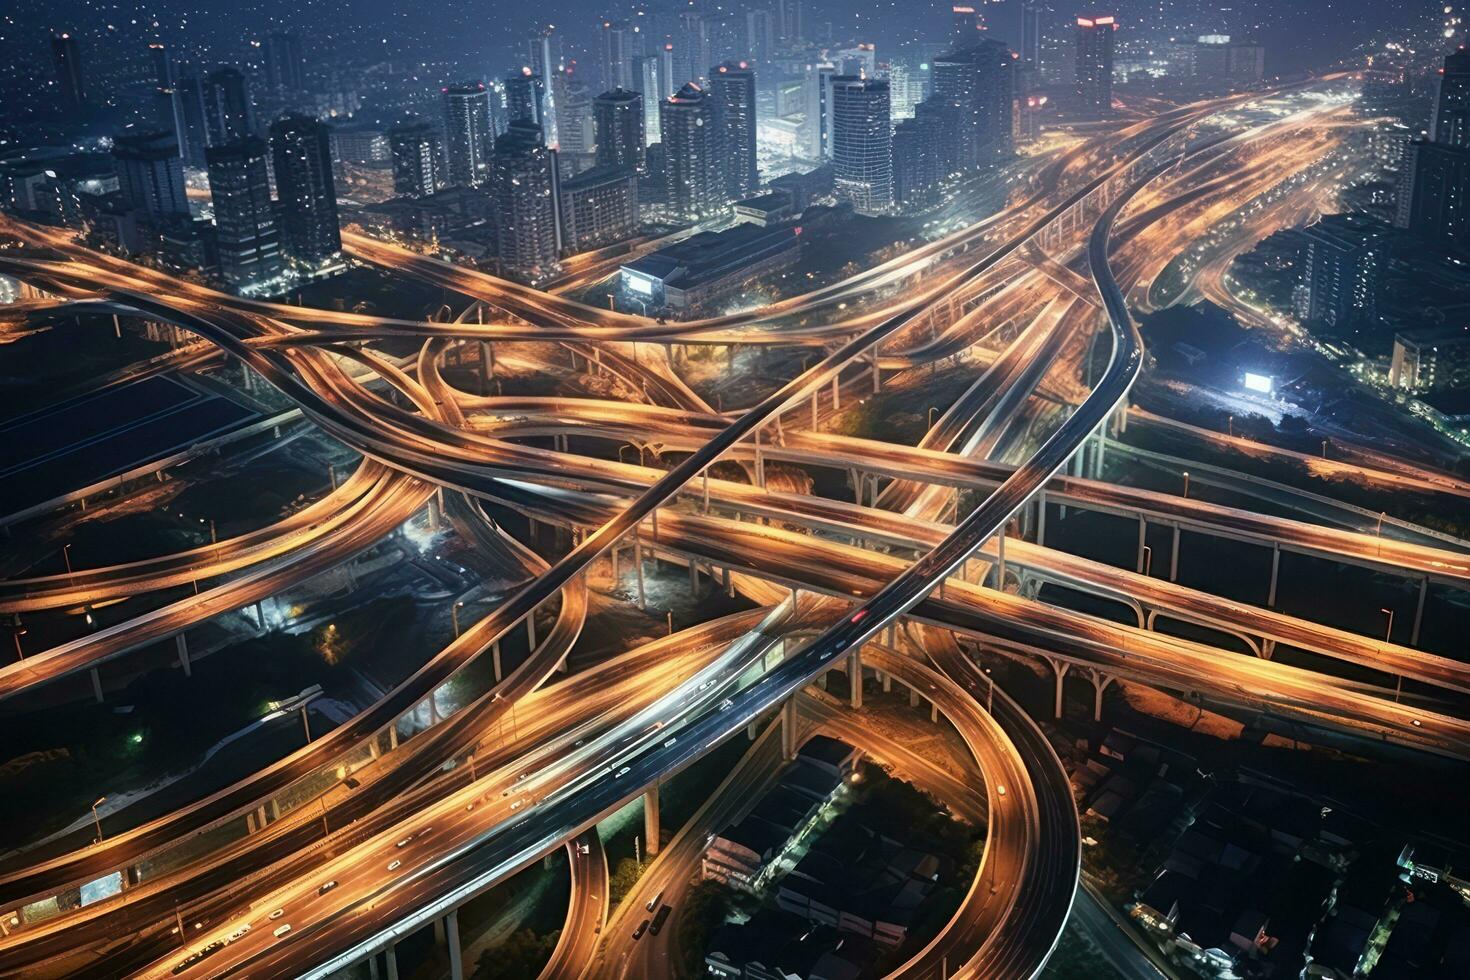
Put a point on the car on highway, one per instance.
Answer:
(518, 804)
(394, 865)
(327, 886)
(238, 933)
(653, 902)
(276, 914)
(642, 928)
(726, 704)
(623, 772)
(205, 952)
(660, 919)
(281, 930)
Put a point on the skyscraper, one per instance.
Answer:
(646, 82)
(1340, 274)
(789, 21)
(862, 143)
(249, 242)
(66, 57)
(467, 133)
(1451, 124)
(816, 127)
(694, 188)
(523, 96)
(1095, 64)
(732, 89)
(168, 115)
(618, 47)
(920, 160)
(978, 83)
(418, 159)
(311, 235)
(618, 116)
(228, 114)
(546, 61)
(189, 95)
(285, 68)
(162, 64)
(965, 26)
(150, 174)
(527, 200)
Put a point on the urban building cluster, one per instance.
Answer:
(243, 172)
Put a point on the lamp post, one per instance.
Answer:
(66, 557)
(18, 631)
(1148, 561)
(454, 617)
(1186, 484)
(1398, 688)
(96, 820)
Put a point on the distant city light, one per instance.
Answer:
(1259, 382)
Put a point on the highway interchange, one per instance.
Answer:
(1037, 281)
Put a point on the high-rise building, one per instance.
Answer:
(619, 44)
(168, 115)
(189, 94)
(732, 89)
(687, 121)
(150, 174)
(789, 21)
(66, 57)
(285, 68)
(760, 35)
(1451, 123)
(1032, 12)
(228, 113)
(816, 126)
(418, 159)
(978, 82)
(1095, 64)
(527, 201)
(598, 207)
(576, 127)
(919, 158)
(646, 82)
(162, 65)
(249, 242)
(965, 26)
(618, 117)
(524, 95)
(546, 61)
(311, 235)
(1434, 194)
(1340, 274)
(467, 133)
(862, 143)
(692, 48)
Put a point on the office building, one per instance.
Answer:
(418, 159)
(1032, 13)
(647, 83)
(310, 234)
(467, 133)
(1340, 268)
(862, 143)
(1431, 359)
(285, 68)
(150, 174)
(965, 26)
(527, 199)
(546, 62)
(162, 65)
(228, 112)
(1434, 194)
(694, 189)
(577, 128)
(1234, 64)
(66, 58)
(1450, 125)
(978, 83)
(244, 218)
(524, 95)
(168, 115)
(598, 207)
(618, 118)
(732, 89)
(789, 23)
(189, 95)
(815, 134)
(1095, 65)
(760, 35)
(619, 44)
(923, 149)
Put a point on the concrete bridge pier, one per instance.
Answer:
(1174, 556)
(456, 954)
(1275, 575)
(650, 820)
(96, 684)
(1100, 683)
(1060, 668)
(1419, 611)
(788, 729)
(855, 677)
(183, 648)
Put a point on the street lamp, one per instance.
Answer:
(96, 820)
(18, 631)
(1398, 688)
(1148, 561)
(66, 556)
(454, 616)
(932, 410)
(1186, 484)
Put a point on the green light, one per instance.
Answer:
(138, 738)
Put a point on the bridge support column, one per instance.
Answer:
(390, 959)
(650, 819)
(260, 820)
(934, 712)
(855, 678)
(1275, 575)
(97, 684)
(1419, 611)
(1100, 684)
(1174, 556)
(1142, 541)
(1041, 517)
(456, 955)
(1102, 452)
(693, 577)
(1060, 667)
(613, 557)
(495, 659)
(887, 682)
(183, 648)
(531, 631)
(913, 697)
(836, 392)
(1000, 564)
(638, 564)
(1268, 648)
(788, 729)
